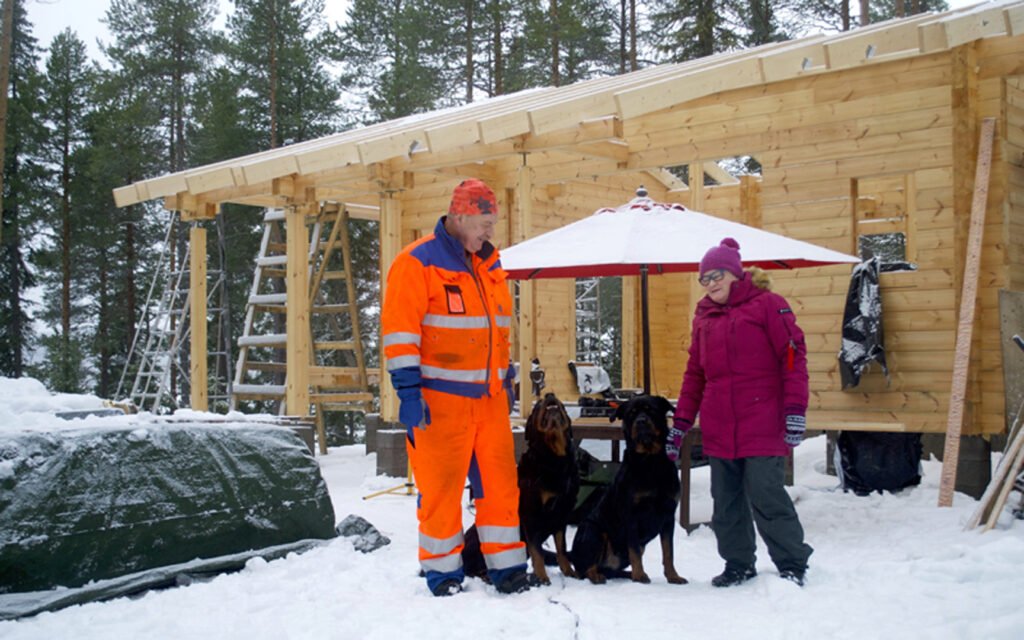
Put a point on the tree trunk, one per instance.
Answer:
(273, 75)
(632, 36)
(65, 245)
(131, 321)
(103, 386)
(5, 79)
(499, 62)
(844, 7)
(554, 42)
(622, 36)
(469, 50)
(865, 13)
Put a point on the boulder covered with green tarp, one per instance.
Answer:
(94, 503)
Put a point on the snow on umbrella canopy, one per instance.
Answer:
(644, 236)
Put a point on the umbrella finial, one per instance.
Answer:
(641, 192)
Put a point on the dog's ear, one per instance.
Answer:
(663, 405)
(531, 422)
(568, 421)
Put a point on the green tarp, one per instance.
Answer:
(96, 503)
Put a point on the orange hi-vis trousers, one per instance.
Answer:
(460, 429)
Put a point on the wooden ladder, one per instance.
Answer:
(337, 374)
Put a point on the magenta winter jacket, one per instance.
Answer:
(747, 370)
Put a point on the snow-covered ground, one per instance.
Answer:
(884, 566)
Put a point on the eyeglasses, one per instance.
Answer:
(711, 276)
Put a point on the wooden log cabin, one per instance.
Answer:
(873, 131)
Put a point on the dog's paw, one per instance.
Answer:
(595, 576)
(640, 576)
(676, 579)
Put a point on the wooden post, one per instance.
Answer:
(390, 247)
(527, 297)
(629, 308)
(968, 298)
(297, 318)
(197, 317)
(750, 201)
(696, 171)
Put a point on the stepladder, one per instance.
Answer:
(337, 372)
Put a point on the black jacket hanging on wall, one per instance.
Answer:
(862, 325)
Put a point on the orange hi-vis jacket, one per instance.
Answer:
(450, 322)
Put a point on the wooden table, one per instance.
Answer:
(603, 429)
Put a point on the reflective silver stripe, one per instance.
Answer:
(505, 559)
(456, 322)
(436, 547)
(403, 361)
(458, 375)
(401, 337)
(499, 535)
(503, 321)
(444, 564)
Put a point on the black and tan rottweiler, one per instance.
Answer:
(549, 483)
(639, 504)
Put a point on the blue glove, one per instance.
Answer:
(413, 411)
(675, 436)
(796, 424)
(510, 387)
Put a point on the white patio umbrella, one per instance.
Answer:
(644, 236)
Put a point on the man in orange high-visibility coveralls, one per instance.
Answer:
(446, 318)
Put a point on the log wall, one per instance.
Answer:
(868, 151)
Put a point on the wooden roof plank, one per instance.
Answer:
(401, 143)
(962, 25)
(126, 195)
(327, 158)
(866, 45)
(733, 74)
(804, 57)
(1013, 17)
(269, 169)
(718, 174)
(210, 180)
(596, 101)
(166, 185)
(974, 25)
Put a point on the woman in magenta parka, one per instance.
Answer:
(747, 380)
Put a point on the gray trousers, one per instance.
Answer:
(747, 491)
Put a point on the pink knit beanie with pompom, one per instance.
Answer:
(725, 256)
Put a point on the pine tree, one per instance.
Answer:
(166, 45)
(22, 185)
(396, 52)
(688, 29)
(125, 145)
(562, 43)
(66, 87)
(278, 52)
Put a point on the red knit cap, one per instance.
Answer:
(725, 256)
(473, 197)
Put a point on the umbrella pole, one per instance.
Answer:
(645, 322)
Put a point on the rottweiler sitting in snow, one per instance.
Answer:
(639, 504)
(549, 482)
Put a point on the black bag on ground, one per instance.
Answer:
(867, 461)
